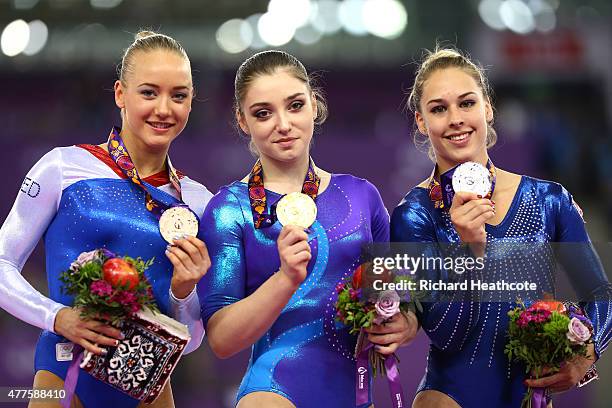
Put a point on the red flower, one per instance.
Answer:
(357, 277)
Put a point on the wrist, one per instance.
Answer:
(182, 291)
(286, 282)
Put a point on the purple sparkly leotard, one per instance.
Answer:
(306, 356)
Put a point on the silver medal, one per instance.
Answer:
(178, 221)
(471, 177)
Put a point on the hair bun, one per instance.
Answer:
(143, 34)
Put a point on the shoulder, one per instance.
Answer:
(414, 204)
(545, 189)
(232, 196)
(227, 208)
(354, 183)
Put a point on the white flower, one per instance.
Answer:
(388, 304)
(577, 332)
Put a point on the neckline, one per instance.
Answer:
(156, 180)
(511, 209)
(331, 179)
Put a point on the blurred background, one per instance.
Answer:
(548, 61)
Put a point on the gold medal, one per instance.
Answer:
(296, 209)
(178, 221)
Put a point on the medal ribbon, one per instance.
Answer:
(257, 194)
(442, 193)
(121, 157)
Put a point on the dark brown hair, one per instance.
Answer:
(267, 63)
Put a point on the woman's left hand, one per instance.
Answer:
(399, 330)
(568, 376)
(190, 259)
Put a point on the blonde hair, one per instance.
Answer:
(443, 58)
(147, 41)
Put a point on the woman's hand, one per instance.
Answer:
(294, 253)
(190, 259)
(469, 213)
(399, 330)
(88, 333)
(568, 376)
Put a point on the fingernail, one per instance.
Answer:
(116, 343)
(177, 237)
(167, 252)
(104, 351)
(493, 202)
(479, 196)
(377, 348)
(168, 246)
(122, 336)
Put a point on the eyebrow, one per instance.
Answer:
(460, 97)
(295, 95)
(157, 86)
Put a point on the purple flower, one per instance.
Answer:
(101, 288)
(577, 332)
(533, 315)
(354, 294)
(339, 287)
(388, 304)
(107, 254)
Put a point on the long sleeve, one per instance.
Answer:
(225, 282)
(36, 205)
(447, 320)
(187, 311)
(584, 268)
(380, 216)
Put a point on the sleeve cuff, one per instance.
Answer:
(182, 302)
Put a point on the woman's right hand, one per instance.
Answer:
(86, 333)
(469, 213)
(294, 253)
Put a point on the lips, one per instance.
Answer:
(285, 140)
(459, 137)
(160, 125)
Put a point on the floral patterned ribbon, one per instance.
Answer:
(121, 157)
(442, 193)
(257, 194)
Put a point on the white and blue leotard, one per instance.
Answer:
(78, 200)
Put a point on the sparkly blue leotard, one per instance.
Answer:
(305, 356)
(466, 358)
(79, 199)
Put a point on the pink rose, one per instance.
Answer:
(388, 304)
(577, 332)
(83, 258)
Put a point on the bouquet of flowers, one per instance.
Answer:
(107, 286)
(542, 336)
(359, 310)
(113, 288)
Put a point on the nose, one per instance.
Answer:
(456, 120)
(283, 124)
(162, 108)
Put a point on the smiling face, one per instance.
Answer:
(278, 112)
(155, 98)
(454, 114)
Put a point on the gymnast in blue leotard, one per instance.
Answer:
(466, 365)
(78, 199)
